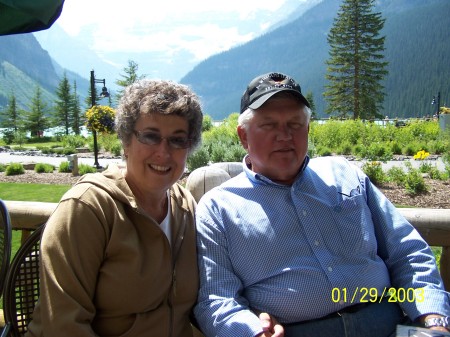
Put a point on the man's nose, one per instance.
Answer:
(284, 133)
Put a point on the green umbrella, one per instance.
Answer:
(26, 16)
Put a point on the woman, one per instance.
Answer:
(118, 254)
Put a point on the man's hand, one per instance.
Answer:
(270, 326)
(437, 328)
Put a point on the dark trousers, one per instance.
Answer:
(371, 320)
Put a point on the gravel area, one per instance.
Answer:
(30, 176)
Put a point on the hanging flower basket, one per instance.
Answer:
(100, 118)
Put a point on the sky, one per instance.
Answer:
(166, 40)
(201, 27)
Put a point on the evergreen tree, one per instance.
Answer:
(310, 97)
(37, 122)
(11, 118)
(77, 117)
(356, 67)
(131, 76)
(64, 105)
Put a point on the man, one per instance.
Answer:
(311, 242)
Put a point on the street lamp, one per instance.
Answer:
(437, 101)
(104, 94)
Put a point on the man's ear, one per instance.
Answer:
(242, 133)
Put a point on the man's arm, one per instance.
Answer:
(410, 261)
(221, 310)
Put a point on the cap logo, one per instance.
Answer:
(277, 86)
(263, 87)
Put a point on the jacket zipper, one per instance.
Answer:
(173, 290)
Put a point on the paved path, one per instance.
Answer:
(401, 163)
(10, 157)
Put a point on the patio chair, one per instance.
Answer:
(5, 251)
(22, 285)
(5, 244)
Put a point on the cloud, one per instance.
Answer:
(202, 27)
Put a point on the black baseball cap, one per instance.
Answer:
(265, 86)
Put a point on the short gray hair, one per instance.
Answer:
(245, 117)
(158, 97)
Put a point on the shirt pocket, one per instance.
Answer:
(353, 227)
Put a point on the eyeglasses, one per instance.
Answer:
(153, 138)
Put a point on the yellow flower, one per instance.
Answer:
(100, 118)
(421, 155)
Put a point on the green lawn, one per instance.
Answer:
(32, 192)
(29, 192)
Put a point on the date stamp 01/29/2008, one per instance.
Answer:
(363, 294)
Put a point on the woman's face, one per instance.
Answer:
(152, 167)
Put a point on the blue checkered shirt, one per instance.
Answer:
(301, 252)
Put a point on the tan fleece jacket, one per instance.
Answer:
(109, 270)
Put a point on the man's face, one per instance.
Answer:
(276, 139)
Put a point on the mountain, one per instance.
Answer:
(417, 48)
(25, 65)
(58, 52)
(75, 55)
(170, 58)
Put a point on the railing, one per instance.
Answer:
(432, 224)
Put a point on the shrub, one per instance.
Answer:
(438, 147)
(311, 149)
(73, 141)
(43, 139)
(396, 175)
(414, 183)
(108, 141)
(218, 152)
(396, 148)
(2, 168)
(374, 170)
(436, 174)
(14, 169)
(425, 167)
(207, 123)
(45, 149)
(64, 167)
(410, 149)
(8, 136)
(345, 148)
(116, 149)
(84, 168)
(358, 151)
(446, 158)
(377, 151)
(234, 153)
(198, 158)
(43, 168)
(68, 150)
(323, 151)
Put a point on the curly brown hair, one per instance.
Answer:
(158, 97)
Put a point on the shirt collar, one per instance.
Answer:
(259, 178)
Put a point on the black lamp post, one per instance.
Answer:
(437, 101)
(104, 94)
